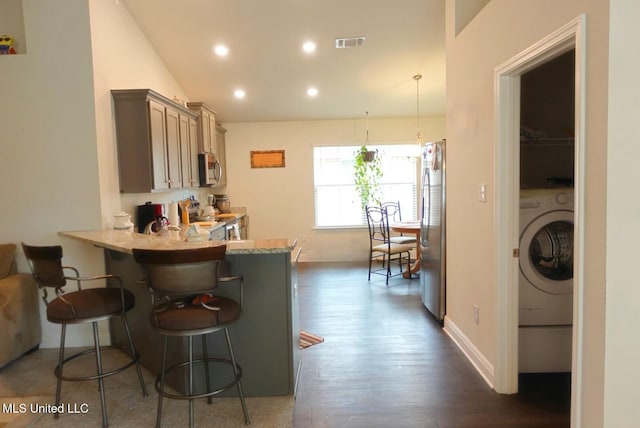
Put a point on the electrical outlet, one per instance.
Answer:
(476, 314)
(482, 192)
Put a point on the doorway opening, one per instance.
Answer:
(567, 40)
(546, 228)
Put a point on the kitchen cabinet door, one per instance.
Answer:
(189, 151)
(207, 135)
(173, 148)
(212, 135)
(158, 129)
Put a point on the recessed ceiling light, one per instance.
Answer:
(221, 50)
(309, 47)
(239, 93)
(312, 92)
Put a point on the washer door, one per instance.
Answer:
(546, 252)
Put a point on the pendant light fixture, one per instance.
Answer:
(417, 78)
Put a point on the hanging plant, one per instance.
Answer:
(367, 174)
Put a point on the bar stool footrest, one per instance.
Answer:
(122, 368)
(229, 385)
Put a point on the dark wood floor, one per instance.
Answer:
(386, 362)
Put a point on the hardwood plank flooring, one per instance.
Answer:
(386, 362)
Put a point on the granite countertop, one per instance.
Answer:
(124, 241)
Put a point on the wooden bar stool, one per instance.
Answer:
(182, 283)
(81, 306)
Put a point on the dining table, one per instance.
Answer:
(410, 227)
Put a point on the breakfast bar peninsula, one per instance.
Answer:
(265, 337)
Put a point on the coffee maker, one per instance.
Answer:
(147, 213)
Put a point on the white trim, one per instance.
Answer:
(473, 354)
(579, 224)
(507, 97)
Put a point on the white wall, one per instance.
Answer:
(57, 168)
(623, 229)
(123, 59)
(280, 201)
(501, 30)
(48, 166)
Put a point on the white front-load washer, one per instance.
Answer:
(546, 280)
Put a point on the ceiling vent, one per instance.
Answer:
(350, 42)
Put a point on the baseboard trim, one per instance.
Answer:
(473, 354)
(75, 339)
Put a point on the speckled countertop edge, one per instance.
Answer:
(124, 241)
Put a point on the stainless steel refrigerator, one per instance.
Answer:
(432, 230)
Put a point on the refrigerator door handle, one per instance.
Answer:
(426, 210)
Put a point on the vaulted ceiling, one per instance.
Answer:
(266, 59)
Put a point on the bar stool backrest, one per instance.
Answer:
(176, 273)
(46, 265)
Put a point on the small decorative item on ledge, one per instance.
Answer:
(6, 45)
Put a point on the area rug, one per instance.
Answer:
(307, 339)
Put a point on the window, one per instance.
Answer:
(336, 202)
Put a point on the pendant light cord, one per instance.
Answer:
(417, 78)
(367, 124)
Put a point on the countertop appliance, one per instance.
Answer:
(210, 170)
(148, 213)
(432, 230)
(223, 203)
(545, 280)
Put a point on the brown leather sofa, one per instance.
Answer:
(20, 329)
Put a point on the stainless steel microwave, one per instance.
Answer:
(210, 169)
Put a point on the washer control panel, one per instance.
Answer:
(546, 199)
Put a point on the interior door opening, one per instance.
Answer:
(546, 227)
(569, 37)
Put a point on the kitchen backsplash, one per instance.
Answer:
(130, 201)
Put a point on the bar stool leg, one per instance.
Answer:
(205, 354)
(235, 371)
(191, 422)
(96, 341)
(58, 370)
(160, 392)
(134, 355)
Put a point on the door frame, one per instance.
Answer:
(507, 160)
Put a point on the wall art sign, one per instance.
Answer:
(267, 159)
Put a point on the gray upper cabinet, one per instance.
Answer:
(157, 147)
(207, 137)
(211, 137)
